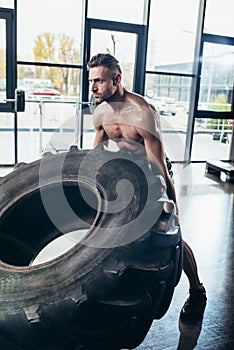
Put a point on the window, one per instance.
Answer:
(170, 65)
(7, 4)
(130, 11)
(48, 81)
(216, 89)
(49, 60)
(161, 60)
(219, 17)
(7, 60)
(172, 35)
(2, 60)
(212, 139)
(54, 25)
(121, 44)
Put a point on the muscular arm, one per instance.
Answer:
(100, 135)
(155, 151)
(156, 117)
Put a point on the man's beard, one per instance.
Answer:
(104, 99)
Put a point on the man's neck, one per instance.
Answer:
(118, 96)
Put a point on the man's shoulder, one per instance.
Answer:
(145, 107)
(97, 115)
(136, 98)
(102, 113)
(101, 109)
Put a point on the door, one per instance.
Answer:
(7, 60)
(128, 43)
(8, 121)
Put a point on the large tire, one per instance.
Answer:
(105, 292)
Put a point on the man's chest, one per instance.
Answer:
(121, 130)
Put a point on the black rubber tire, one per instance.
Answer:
(93, 297)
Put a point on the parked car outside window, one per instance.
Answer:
(165, 105)
(45, 93)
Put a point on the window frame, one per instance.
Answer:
(9, 16)
(199, 113)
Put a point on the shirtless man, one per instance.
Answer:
(127, 117)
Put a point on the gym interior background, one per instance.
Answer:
(180, 55)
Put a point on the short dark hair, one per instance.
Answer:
(106, 60)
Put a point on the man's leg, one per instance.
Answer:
(190, 267)
(195, 305)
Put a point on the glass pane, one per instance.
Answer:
(212, 139)
(171, 95)
(2, 60)
(174, 130)
(49, 83)
(47, 125)
(219, 17)
(217, 78)
(51, 94)
(88, 132)
(158, 85)
(172, 33)
(7, 4)
(51, 33)
(7, 138)
(120, 44)
(131, 11)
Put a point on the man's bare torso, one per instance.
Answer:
(121, 121)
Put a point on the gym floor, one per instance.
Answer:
(207, 225)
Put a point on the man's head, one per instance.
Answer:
(104, 76)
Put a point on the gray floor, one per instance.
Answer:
(208, 228)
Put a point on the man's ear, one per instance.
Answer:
(117, 79)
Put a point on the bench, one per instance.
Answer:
(216, 167)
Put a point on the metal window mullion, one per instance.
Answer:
(195, 82)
